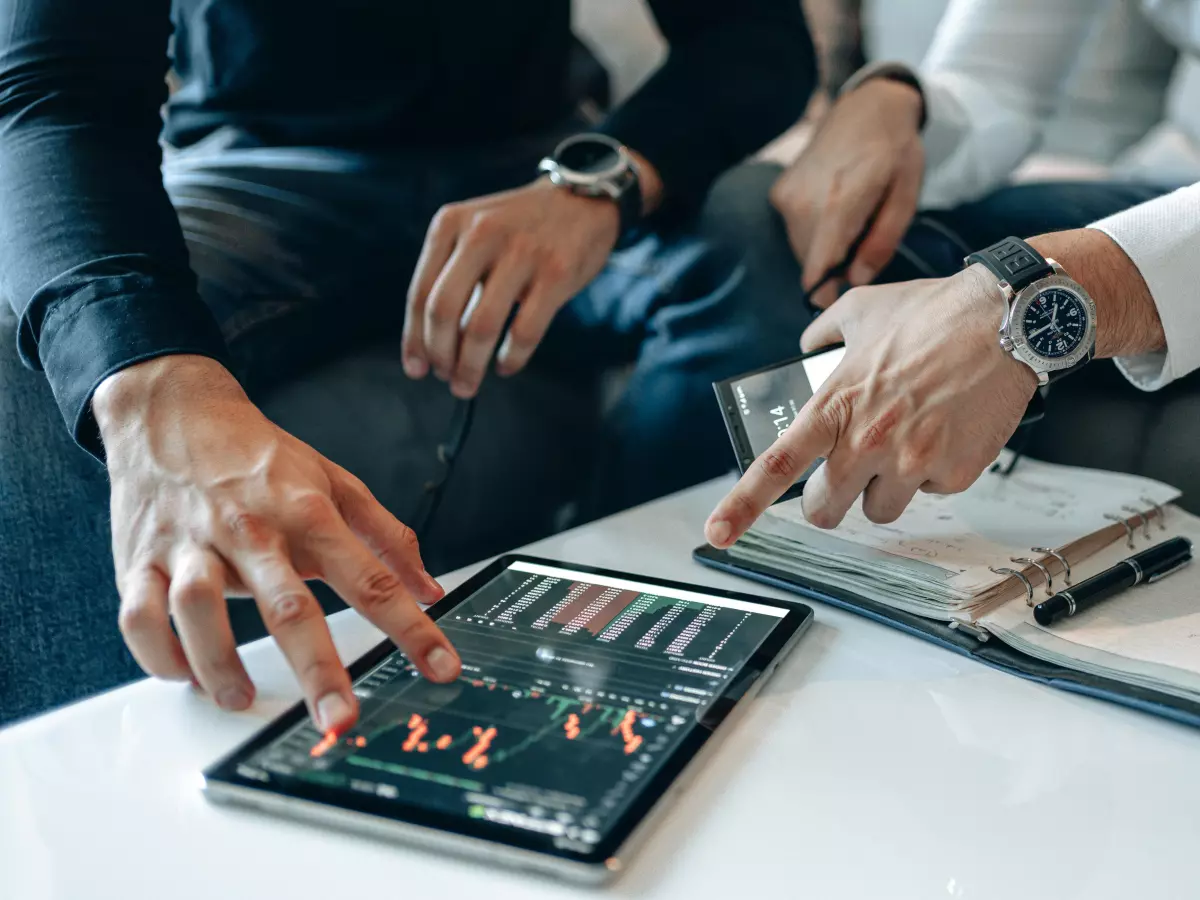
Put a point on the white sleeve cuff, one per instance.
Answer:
(1161, 237)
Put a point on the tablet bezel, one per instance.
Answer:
(225, 770)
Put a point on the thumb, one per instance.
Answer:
(823, 331)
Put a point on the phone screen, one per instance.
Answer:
(759, 406)
(768, 401)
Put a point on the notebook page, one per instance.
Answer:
(997, 518)
(1148, 635)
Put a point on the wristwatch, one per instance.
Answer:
(595, 165)
(1050, 321)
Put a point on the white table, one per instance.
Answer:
(873, 765)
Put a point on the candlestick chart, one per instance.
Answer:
(573, 691)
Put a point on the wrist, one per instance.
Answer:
(991, 307)
(131, 395)
(1127, 322)
(650, 183)
(601, 212)
(904, 100)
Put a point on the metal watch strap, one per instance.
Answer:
(1014, 261)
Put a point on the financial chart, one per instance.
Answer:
(574, 689)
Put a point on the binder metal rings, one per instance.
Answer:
(1128, 529)
(1062, 561)
(1144, 516)
(1026, 561)
(1159, 512)
(1004, 570)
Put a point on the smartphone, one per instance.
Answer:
(759, 406)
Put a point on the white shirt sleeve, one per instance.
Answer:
(991, 79)
(1162, 237)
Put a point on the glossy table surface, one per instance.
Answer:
(872, 765)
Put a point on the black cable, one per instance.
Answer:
(447, 453)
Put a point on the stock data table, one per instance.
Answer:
(872, 765)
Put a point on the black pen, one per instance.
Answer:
(1145, 567)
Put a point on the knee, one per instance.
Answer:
(738, 211)
(740, 223)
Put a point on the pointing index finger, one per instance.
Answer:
(364, 582)
(806, 440)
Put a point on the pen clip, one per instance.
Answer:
(1159, 576)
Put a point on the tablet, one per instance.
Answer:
(584, 695)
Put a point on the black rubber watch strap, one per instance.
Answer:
(1014, 261)
(629, 206)
(1053, 376)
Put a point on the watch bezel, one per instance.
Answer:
(602, 182)
(1014, 325)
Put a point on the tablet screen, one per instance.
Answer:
(576, 689)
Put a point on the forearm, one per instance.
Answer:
(1127, 320)
(992, 77)
(91, 254)
(734, 79)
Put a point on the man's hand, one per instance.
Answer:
(535, 247)
(924, 399)
(863, 168)
(210, 498)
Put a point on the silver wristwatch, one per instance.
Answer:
(1050, 321)
(595, 165)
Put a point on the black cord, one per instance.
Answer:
(1018, 444)
(447, 453)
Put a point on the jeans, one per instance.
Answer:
(304, 256)
(1094, 418)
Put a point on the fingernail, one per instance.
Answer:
(442, 663)
(861, 273)
(462, 390)
(435, 589)
(333, 710)
(717, 532)
(234, 698)
(415, 368)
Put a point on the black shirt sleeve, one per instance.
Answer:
(737, 75)
(92, 258)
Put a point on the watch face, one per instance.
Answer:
(1055, 323)
(588, 156)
